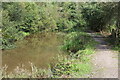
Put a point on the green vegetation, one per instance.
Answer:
(78, 45)
(68, 20)
(104, 17)
(70, 67)
(76, 41)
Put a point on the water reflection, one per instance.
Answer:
(38, 49)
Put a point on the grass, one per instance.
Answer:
(69, 67)
(77, 64)
(116, 47)
(113, 44)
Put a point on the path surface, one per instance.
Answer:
(105, 61)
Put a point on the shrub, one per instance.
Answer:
(76, 41)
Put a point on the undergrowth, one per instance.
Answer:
(79, 46)
(114, 46)
(69, 67)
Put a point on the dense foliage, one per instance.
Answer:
(104, 17)
(22, 19)
(69, 19)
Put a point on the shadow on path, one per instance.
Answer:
(105, 60)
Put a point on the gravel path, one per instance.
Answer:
(105, 61)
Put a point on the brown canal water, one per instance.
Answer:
(40, 49)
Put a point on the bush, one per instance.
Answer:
(76, 41)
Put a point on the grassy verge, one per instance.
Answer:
(112, 43)
(78, 45)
